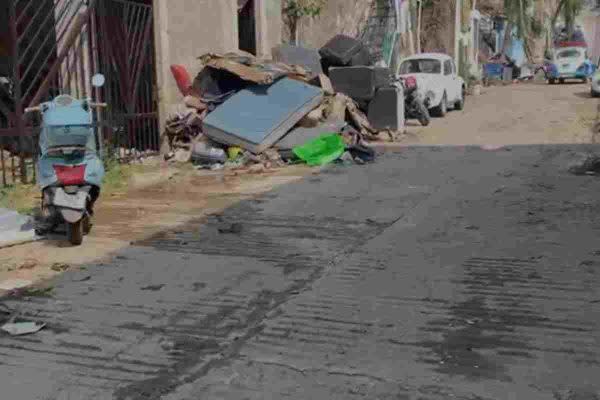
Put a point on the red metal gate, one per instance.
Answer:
(50, 47)
(126, 52)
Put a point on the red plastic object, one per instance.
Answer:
(182, 77)
(572, 44)
(70, 175)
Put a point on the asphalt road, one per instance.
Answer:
(435, 273)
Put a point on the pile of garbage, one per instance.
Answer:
(304, 105)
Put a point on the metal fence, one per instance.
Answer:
(55, 46)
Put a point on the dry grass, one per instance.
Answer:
(25, 199)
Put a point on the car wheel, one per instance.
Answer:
(594, 93)
(561, 81)
(551, 81)
(441, 110)
(460, 104)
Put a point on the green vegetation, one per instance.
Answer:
(22, 198)
(25, 198)
(295, 10)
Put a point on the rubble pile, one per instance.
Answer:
(245, 112)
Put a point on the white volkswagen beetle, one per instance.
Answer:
(437, 81)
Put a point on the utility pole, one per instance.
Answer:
(419, 24)
(457, 18)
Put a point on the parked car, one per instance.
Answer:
(569, 63)
(437, 81)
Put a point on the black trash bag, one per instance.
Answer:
(216, 85)
(361, 152)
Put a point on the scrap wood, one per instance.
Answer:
(234, 66)
(313, 118)
(262, 72)
(359, 119)
(335, 107)
(194, 102)
(326, 84)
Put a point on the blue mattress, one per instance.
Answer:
(257, 117)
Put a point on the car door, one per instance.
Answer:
(448, 81)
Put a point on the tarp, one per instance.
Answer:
(15, 228)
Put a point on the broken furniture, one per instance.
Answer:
(255, 118)
(360, 83)
(386, 110)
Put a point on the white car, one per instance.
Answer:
(596, 84)
(438, 82)
(569, 63)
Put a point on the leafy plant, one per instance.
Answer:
(519, 16)
(295, 10)
(569, 10)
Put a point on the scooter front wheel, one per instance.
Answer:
(75, 232)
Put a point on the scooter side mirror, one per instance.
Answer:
(98, 80)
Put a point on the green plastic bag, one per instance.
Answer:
(322, 150)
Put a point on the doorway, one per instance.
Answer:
(247, 26)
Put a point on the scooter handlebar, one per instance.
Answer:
(32, 109)
(99, 105)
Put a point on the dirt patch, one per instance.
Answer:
(160, 199)
(518, 114)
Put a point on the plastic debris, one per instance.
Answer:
(322, 150)
(12, 284)
(22, 328)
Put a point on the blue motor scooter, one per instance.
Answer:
(70, 169)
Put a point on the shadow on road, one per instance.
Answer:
(584, 95)
(448, 255)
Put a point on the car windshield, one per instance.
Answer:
(568, 54)
(424, 66)
(69, 136)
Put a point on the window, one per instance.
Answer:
(568, 54)
(448, 67)
(247, 26)
(453, 67)
(423, 66)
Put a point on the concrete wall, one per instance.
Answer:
(339, 16)
(269, 26)
(184, 30)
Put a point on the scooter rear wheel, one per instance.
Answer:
(87, 225)
(75, 233)
(424, 117)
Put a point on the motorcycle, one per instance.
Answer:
(414, 105)
(70, 169)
